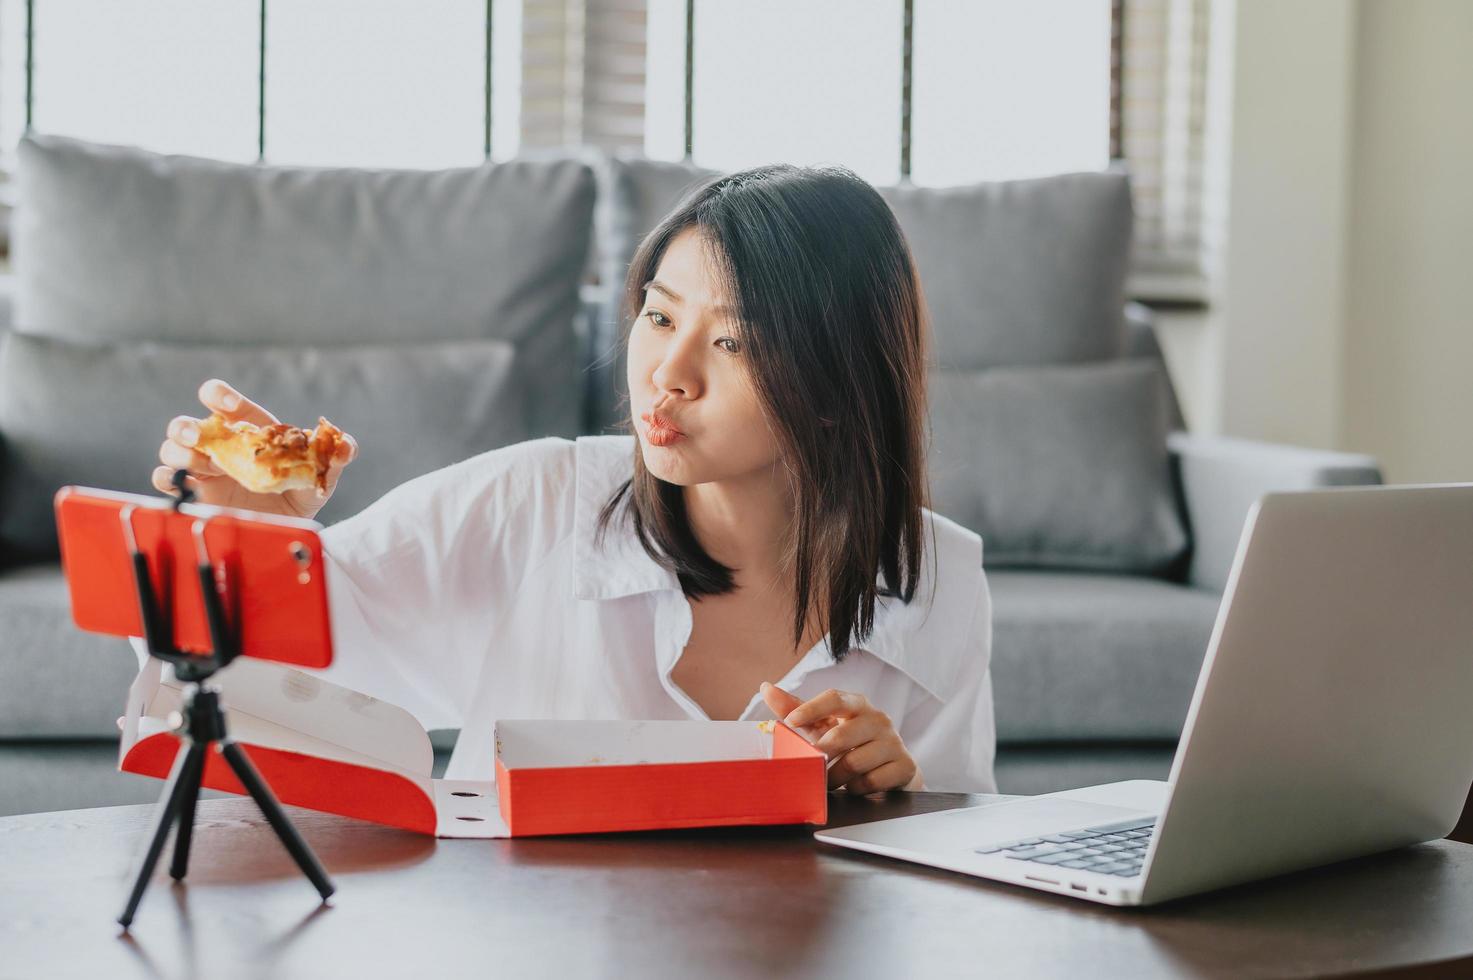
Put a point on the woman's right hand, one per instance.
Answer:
(209, 482)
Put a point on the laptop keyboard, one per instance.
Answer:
(1112, 849)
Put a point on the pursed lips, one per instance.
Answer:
(662, 432)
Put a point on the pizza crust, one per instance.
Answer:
(272, 458)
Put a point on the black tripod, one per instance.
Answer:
(203, 723)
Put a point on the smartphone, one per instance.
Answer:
(268, 570)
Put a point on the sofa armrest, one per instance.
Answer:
(1221, 478)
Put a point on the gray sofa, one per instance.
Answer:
(456, 311)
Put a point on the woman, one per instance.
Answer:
(758, 547)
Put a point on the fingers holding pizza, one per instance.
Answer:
(242, 456)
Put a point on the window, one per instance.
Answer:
(779, 80)
(1004, 90)
(998, 89)
(174, 75)
(386, 83)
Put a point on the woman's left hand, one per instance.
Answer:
(871, 756)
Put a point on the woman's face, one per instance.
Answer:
(697, 416)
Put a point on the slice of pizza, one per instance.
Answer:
(271, 458)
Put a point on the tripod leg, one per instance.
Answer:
(192, 775)
(168, 809)
(259, 791)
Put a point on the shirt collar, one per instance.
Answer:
(924, 639)
(927, 638)
(618, 566)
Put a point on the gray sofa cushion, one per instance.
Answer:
(1062, 467)
(1022, 271)
(115, 243)
(1142, 343)
(96, 414)
(55, 680)
(635, 195)
(1083, 656)
(1015, 272)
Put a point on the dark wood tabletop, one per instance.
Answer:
(766, 902)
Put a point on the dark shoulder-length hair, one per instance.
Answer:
(833, 327)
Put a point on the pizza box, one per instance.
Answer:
(326, 747)
(575, 777)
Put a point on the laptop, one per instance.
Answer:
(1333, 718)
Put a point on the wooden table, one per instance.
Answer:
(765, 903)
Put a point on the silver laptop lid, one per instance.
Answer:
(1334, 714)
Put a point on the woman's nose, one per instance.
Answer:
(676, 370)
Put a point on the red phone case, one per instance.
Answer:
(270, 571)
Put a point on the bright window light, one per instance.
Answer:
(1000, 88)
(1005, 89)
(389, 83)
(177, 76)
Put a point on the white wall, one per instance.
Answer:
(1279, 304)
(1408, 364)
(1342, 306)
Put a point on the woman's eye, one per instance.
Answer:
(661, 320)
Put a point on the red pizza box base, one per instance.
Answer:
(674, 775)
(789, 787)
(300, 780)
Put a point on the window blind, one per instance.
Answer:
(1164, 48)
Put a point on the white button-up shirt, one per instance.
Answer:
(477, 592)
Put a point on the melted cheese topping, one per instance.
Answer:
(273, 458)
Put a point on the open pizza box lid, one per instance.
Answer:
(328, 748)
